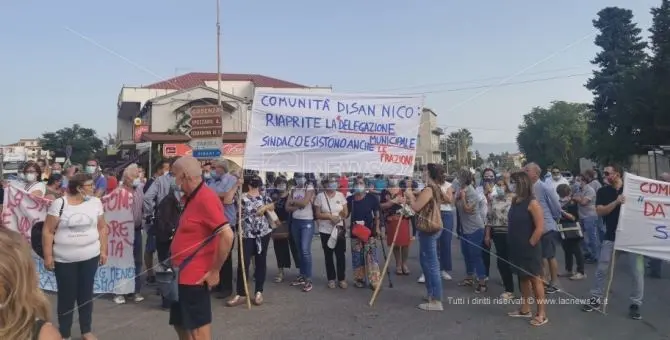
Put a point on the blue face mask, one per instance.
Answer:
(500, 192)
(359, 189)
(207, 175)
(332, 186)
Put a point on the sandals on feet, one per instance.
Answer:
(359, 284)
(520, 314)
(405, 271)
(539, 321)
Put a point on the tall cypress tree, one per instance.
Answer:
(657, 129)
(611, 134)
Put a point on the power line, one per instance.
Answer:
(537, 80)
(470, 81)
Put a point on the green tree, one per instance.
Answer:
(610, 133)
(458, 144)
(84, 142)
(555, 135)
(656, 83)
(478, 160)
(502, 161)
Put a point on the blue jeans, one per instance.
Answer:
(137, 256)
(302, 232)
(635, 269)
(591, 227)
(430, 264)
(472, 254)
(445, 240)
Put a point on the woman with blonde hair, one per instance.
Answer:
(24, 310)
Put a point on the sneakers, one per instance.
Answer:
(280, 276)
(331, 284)
(307, 286)
(258, 299)
(120, 299)
(634, 312)
(236, 301)
(298, 281)
(422, 279)
(343, 284)
(578, 276)
(445, 276)
(507, 296)
(592, 305)
(549, 289)
(434, 306)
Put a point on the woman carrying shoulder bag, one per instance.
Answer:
(330, 208)
(429, 229)
(75, 243)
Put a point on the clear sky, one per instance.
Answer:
(65, 62)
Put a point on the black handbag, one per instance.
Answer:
(570, 231)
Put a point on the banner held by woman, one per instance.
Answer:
(22, 210)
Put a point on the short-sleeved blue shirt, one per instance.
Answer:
(221, 185)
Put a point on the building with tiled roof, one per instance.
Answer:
(161, 106)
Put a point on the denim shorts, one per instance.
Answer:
(549, 240)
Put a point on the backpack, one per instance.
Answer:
(167, 217)
(38, 229)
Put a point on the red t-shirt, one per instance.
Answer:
(112, 183)
(202, 214)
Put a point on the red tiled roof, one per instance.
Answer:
(194, 79)
(159, 137)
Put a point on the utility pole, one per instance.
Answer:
(218, 53)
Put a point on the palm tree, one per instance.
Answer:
(458, 144)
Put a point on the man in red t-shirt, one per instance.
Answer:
(202, 221)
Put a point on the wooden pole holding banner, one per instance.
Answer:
(611, 277)
(386, 264)
(240, 246)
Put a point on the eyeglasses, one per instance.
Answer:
(555, 173)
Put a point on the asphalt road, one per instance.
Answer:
(327, 313)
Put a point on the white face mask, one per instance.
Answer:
(31, 177)
(137, 182)
(55, 172)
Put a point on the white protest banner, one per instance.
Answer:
(644, 222)
(22, 210)
(333, 133)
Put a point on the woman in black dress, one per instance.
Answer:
(526, 224)
(284, 246)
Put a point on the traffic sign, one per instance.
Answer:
(205, 122)
(206, 143)
(205, 111)
(206, 153)
(205, 133)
